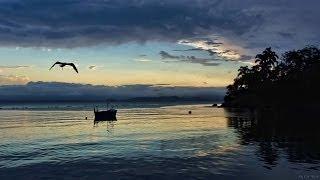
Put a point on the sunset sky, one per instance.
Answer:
(198, 43)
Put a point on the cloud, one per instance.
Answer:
(83, 23)
(56, 91)
(222, 50)
(166, 55)
(249, 24)
(202, 61)
(92, 67)
(248, 63)
(12, 79)
(142, 60)
(15, 67)
(192, 49)
(188, 59)
(246, 58)
(219, 49)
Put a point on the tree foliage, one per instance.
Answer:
(294, 77)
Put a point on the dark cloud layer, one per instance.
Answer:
(48, 23)
(56, 91)
(74, 23)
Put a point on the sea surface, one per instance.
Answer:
(157, 141)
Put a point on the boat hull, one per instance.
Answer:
(109, 115)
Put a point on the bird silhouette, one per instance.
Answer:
(62, 64)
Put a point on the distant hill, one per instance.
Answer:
(71, 92)
(173, 99)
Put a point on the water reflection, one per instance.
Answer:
(108, 124)
(156, 143)
(294, 134)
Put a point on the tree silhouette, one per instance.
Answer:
(292, 78)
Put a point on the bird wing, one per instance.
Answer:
(54, 64)
(74, 67)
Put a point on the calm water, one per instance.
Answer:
(151, 143)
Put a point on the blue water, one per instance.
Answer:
(145, 143)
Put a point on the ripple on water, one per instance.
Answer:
(143, 143)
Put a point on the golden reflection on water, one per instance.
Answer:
(164, 122)
(150, 132)
(165, 140)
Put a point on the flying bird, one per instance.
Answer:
(62, 64)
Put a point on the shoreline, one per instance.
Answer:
(89, 107)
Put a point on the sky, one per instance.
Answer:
(173, 43)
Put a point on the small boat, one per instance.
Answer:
(107, 115)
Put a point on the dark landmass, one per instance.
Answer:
(173, 99)
(291, 80)
(71, 92)
(131, 100)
